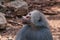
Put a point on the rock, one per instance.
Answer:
(3, 21)
(6, 0)
(21, 7)
(1, 0)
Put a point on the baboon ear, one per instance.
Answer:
(40, 19)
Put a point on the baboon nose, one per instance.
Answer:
(28, 17)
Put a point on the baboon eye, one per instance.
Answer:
(29, 13)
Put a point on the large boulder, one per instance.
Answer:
(20, 7)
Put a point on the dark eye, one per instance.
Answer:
(29, 13)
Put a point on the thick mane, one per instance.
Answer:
(38, 18)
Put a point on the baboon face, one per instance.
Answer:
(33, 16)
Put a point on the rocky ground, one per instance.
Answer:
(52, 9)
(11, 31)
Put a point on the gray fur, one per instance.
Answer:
(42, 31)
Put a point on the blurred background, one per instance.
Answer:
(12, 10)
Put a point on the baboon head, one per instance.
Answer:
(37, 18)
